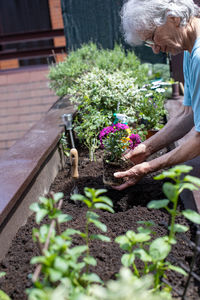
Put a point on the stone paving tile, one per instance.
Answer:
(25, 97)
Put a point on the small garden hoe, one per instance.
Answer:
(67, 119)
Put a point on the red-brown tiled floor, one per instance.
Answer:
(24, 98)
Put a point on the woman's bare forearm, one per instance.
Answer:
(176, 128)
(188, 150)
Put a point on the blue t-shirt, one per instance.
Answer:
(191, 70)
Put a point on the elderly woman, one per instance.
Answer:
(170, 26)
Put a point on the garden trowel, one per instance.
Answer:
(74, 170)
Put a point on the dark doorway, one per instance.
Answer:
(20, 16)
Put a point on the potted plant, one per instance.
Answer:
(116, 139)
(150, 107)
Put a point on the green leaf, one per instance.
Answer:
(144, 230)
(91, 278)
(4, 296)
(64, 218)
(100, 191)
(137, 237)
(177, 269)
(54, 274)
(157, 204)
(147, 223)
(159, 249)
(192, 215)
(165, 174)
(35, 207)
(92, 215)
(2, 274)
(103, 207)
(78, 197)
(38, 260)
(182, 169)
(100, 237)
(78, 250)
(105, 200)
(70, 231)
(188, 186)
(127, 259)
(170, 190)
(121, 239)
(192, 179)
(99, 224)
(179, 228)
(40, 215)
(44, 200)
(90, 260)
(143, 255)
(61, 264)
(58, 196)
(90, 193)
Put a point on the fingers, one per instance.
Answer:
(129, 154)
(122, 174)
(123, 185)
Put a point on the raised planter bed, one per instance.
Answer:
(27, 170)
(129, 206)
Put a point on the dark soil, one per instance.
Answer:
(129, 206)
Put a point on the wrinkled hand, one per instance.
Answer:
(138, 155)
(133, 176)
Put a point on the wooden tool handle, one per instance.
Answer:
(74, 162)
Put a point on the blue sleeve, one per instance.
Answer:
(187, 95)
(196, 90)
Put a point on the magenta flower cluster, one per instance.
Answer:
(134, 139)
(113, 128)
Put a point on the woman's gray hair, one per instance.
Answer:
(141, 15)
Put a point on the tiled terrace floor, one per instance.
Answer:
(24, 98)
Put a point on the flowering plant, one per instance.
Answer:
(117, 138)
(150, 104)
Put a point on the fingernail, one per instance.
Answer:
(116, 174)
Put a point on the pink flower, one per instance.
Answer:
(134, 140)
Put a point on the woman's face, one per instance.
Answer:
(167, 38)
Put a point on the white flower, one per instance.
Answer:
(160, 90)
(149, 95)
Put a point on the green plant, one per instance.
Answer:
(151, 253)
(150, 106)
(97, 96)
(3, 295)
(87, 127)
(93, 200)
(115, 139)
(64, 144)
(126, 286)
(172, 192)
(154, 253)
(59, 260)
(81, 61)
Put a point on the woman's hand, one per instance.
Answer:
(138, 155)
(133, 175)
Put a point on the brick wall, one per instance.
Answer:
(9, 64)
(24, 98)
(56, 23)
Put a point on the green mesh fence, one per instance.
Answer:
(99, 21)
